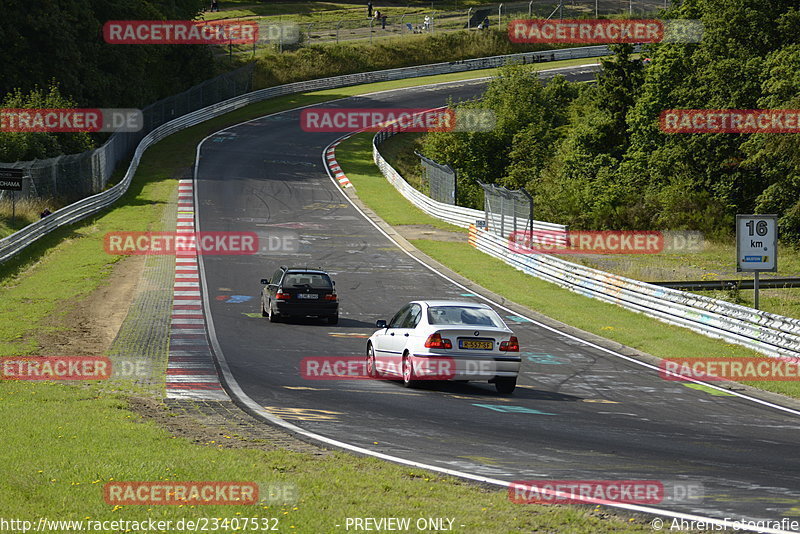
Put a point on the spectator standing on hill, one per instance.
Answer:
(369, 9)
(383, 22)
(214, 5)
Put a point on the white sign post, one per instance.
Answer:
(756, 246)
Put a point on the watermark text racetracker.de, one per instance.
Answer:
(401, 119)
(70, 120)
(171, 243)
(642, 492)
(180, 32)
(357, 368)
(602, 31)
(73, 368)
(198, 524)
(730, 369)
(603, 242)
(737, 121)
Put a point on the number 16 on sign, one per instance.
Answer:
(756, 246)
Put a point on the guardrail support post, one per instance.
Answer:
(755, 289)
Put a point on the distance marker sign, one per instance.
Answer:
(756, 243)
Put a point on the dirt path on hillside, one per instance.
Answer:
(90, 325)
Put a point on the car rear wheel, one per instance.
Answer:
(505, 385)
(333, 319)
(273, 317)
(263, 310)
(409, 378)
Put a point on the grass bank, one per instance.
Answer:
(321, 61)
(63, 443)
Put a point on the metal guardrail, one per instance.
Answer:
(15, 243)
(764, 332)
(456, 215)
(726, 285)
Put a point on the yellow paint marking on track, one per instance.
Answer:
(303, 414)
(348, 334)
(473, 398)
(599, 401)
(383, 392)
(304, 388)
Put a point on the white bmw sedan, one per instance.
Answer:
(445, 340)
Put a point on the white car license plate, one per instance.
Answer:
(307, 296)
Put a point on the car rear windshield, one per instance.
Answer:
(312, 280)
(463, 315)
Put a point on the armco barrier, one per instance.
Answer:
(764, 332)
(456, 215)
(17, 242)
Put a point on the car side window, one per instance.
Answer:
(414, 315)
(400, 317)
(276, 277)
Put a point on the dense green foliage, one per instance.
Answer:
(27, 146)
(593, 156)
(49, 42)
(323, 60)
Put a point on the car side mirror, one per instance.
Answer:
(381, 324)
(264, 281)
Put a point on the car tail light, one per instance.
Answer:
(435, 341)
(512, 345)
(332, 297)
(280, 295)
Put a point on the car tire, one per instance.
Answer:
(333, 319)
(273, 317)
(409, 379)
(505, 385)
(372, 370)
(263, 310)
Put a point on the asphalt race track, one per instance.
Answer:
(579, 412)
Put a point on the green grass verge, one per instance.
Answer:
(62, 443)
(68, 442)
(601, 318)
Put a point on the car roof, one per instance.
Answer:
(304, 270)
(454, 303)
